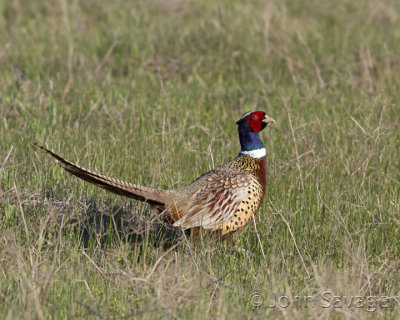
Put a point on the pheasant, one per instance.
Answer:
(220, 201)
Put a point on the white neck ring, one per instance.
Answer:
(258, 153)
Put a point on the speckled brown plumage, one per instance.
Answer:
(220, 201)
(224, 199)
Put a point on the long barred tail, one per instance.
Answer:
(152, 196)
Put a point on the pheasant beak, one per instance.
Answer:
(267, 120)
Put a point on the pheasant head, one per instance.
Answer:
(249, 126)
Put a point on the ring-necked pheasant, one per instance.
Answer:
(222, 200)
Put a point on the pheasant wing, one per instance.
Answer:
(213, 199)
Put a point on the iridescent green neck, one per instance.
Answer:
(249, 140)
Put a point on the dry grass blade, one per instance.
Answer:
(293, 238)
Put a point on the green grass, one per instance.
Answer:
(149, 92)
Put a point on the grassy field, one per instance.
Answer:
(149, 92)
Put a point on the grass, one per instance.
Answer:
(149, 92)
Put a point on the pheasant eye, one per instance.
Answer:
(254, 117)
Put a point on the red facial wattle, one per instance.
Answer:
(255, 119)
